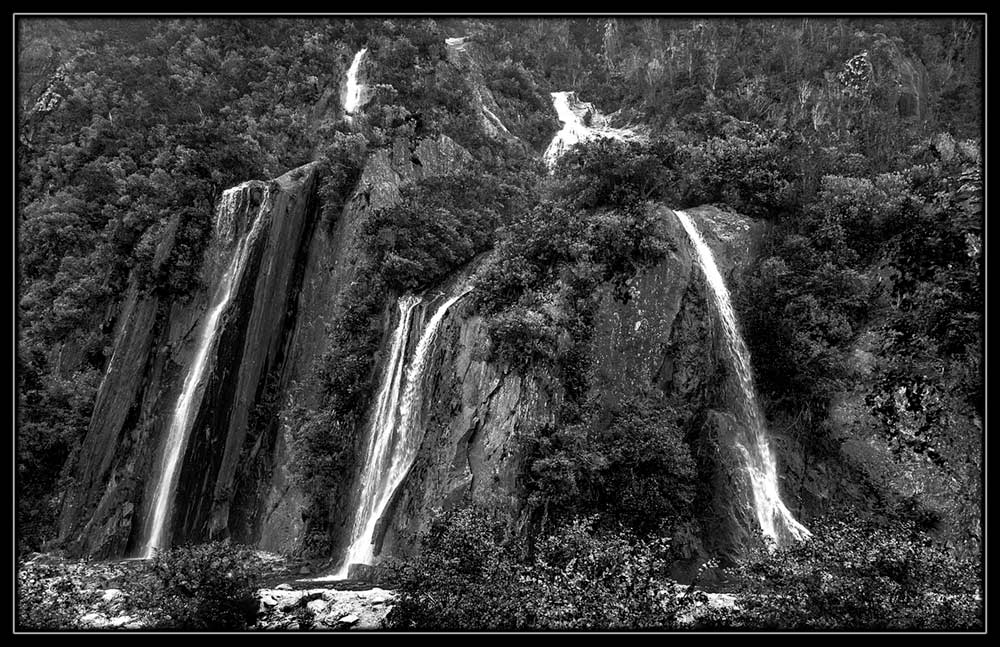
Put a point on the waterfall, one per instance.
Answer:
(759, 463)
(353, 97)
(571, 112)
(394, 439)
(187, 403)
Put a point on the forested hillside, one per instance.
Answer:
(838, 162)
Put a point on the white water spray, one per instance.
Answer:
(394, 440)
(353, 96)
(190, 397)
(571, 112)
(759, 463)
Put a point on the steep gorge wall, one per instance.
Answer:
(104, 511)
(661, 340)
(333, 256)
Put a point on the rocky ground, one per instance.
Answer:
(102, 596)
(323, 608)
(91, 595)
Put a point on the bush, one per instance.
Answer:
(204, 587)
(471, 574)
(858, 577)
(46, 600)
(584, 579)
(628, 463)
(465, 577)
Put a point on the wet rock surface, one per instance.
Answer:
(329, 609)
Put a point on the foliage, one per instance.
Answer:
(439, 223)
(858, 577)
(342, 156)
(848, 136)
(630, 464)
(465, 577)
(203, 587)
(541, 281)
(325, 431)
(469, 574)
(521, 100)
(46, 599)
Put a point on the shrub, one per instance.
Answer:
(859, 577)
(47, 601)
(204, 587)
(465, 577)
(584, 579)
(629, 463)
(472, 574)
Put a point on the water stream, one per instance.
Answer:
(394, 439)
(190, 398)
(758, 461)
(572, 113)
(352, 98)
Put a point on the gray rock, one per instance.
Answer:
(349, 619)
(120, 621)
(94, 619)
(111, 595)
(290, 601)
(313, 594)
(283, 587)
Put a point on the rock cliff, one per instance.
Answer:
(103, 513)
(660, 340)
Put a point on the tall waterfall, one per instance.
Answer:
(187, 404)
(759, 463)
(353, 97)
(394, 439)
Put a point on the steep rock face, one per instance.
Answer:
(329, 269)
(873, 459)
(472, 412)
(103, 514)
(660, 340)
(463, 55)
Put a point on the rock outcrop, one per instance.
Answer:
(330, 267)
(660, 340)
(103, 512)
(235, 479)
(323, 609)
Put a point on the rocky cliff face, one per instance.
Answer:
(880, 462)
(234, 480)
(103, 513)
(660, 340)
(329, 269)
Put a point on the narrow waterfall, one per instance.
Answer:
(759, 463)
(187, 403)
(394, 439)
(353, 97)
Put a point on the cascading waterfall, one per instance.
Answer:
(394, 439)
(187, 404)
(353, 96)
(571, 111)
(759, 463)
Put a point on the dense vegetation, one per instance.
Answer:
(886, 576)
(206, 587)
(469, 576)
(856, 140)
(891, 576)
